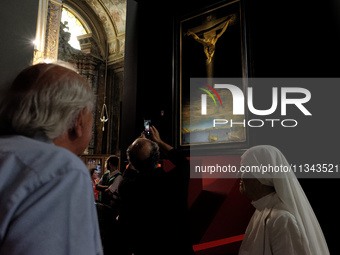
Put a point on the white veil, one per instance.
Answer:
(290, 193)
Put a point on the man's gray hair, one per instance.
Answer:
(45, 98)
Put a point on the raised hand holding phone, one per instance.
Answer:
(147, 125)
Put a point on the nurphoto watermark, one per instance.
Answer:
(225, 110)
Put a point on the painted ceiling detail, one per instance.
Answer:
(112, 14)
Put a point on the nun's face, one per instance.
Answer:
(249, 186)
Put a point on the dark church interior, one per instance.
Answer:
(137, 73)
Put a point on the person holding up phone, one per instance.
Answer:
(154, 216)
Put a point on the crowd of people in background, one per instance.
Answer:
(48, 205)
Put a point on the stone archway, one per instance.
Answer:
(100, 60)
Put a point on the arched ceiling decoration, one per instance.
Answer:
(112, 14)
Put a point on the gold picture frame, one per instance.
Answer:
(210, 43)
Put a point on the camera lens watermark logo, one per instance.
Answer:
(204, 98)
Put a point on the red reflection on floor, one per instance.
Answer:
(224, 241)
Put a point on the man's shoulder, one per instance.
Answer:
(35, 153)
(23, 143)
(106, 174)
(27, 165)
(117, 173)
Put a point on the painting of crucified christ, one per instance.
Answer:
(211, 45)
(210, 36)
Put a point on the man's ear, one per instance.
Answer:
(77, 130)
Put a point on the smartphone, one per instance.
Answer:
(147, 125)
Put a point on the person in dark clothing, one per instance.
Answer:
(109, 182)
(107, 208)
(154, 217)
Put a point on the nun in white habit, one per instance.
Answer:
(284, 222)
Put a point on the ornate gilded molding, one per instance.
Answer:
(52, 29)
(47, 35)
(39, 43)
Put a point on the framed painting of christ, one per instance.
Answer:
(210, 45)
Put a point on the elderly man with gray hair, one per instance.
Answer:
(46, 200)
